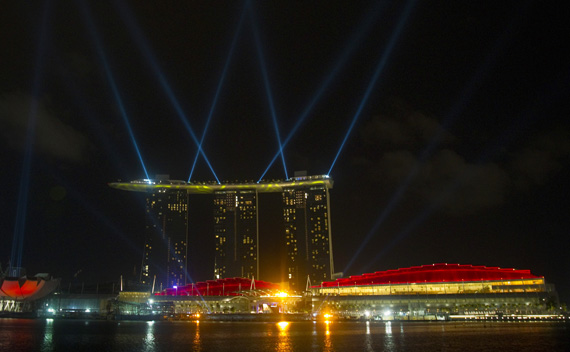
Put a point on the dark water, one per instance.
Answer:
(77, 335)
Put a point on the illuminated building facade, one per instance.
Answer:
(17, 294)
(230, 295)
(306, 214)
(166, 237)
(453, 290)
(236, 286)
(306, 211)
(429, 292)
(236, 232)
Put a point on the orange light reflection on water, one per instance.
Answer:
(197, 341)
(284, 342)
(328, 342)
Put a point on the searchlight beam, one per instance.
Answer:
(353, 43)
(24, 189)
(384, 59)
(145, 48)
(267, 87)
(218, 90)
(91, 26)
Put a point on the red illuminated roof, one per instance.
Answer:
(220, 287)
(27, 288)
(433, 273)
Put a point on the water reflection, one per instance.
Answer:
(314, 338)
(284, 340)
(148, 342)
(197, 342)
(368, 340)
(389, 344)
(21, 334)
(112, 336)
(47, 342)
(389, 328)
(328, 341)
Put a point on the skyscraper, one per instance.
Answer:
(236, 232)
(307, 221)
(306, 215)
(166, 236)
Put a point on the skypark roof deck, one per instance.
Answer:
(273, 186)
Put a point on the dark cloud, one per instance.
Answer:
(446, 178)
(402, 127)
(394, 141)
(462, 187)
(540, 159)
(53, 137)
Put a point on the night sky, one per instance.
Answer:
(459, 154)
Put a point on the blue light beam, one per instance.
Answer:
(219, 88)
(520, 124)
(267, 87)
(153, 62)
(23, 192)
(353, 43)
(101, 218)
(91, 26)
(387, 211)
(80, 101)
(453, 113)
(392, 42)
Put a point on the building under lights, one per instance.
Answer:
(19, 294)
(231, 295)
(306, 215)
(446, 289)
(307, 232)
(166, 236)
(428, 292)
(236, 229)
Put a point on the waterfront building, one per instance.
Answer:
(236, 231)
(428, 292)
(164, 261)
(451, 290)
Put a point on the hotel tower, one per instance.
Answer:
(306, 219)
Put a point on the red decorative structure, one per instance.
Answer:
(27, 288)
(433, 273)
(220, 287)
